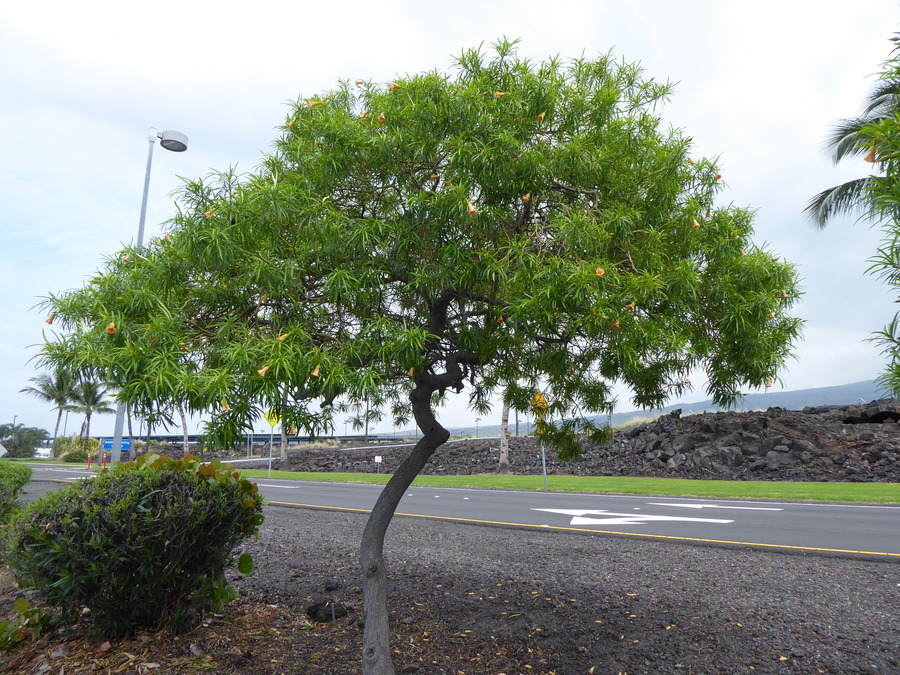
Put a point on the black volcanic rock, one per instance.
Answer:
(827, 443)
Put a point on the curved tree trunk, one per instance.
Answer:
(504, 440)
(376, 634)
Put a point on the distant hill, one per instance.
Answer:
(857, 392)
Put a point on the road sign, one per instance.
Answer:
(271, 417)
(108, 444)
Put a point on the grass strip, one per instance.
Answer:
(866, 493)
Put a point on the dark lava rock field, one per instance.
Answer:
(858, 443)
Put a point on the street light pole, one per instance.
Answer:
(176, 142)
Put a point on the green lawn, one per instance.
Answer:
(873, 493)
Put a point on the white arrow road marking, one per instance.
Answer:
(579, 518)
(718, 506)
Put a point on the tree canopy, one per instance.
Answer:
(875, 134)
(509, 227)
(853, 138)
(57, 388)
(21, 441)
(516, 222)
(881, 199)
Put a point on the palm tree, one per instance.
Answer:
(504, 440)
(57, 389)
(848, 139)
(88, 398)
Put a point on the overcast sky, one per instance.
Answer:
(759, 86)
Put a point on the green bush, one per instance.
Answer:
(13, 477)
(73, 445)
(76, 456)
(144, 544)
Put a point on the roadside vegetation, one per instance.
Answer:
(873, 493)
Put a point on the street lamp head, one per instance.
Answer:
(173, 140)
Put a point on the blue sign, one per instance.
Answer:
(108, 444)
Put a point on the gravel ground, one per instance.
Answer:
(578, 601)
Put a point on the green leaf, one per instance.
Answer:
(21, 605)
(245, 564)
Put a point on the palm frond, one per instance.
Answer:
(846, 198)
(884, 99)
(846, 139)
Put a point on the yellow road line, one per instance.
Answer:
(621, 534)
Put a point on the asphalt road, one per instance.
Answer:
(861, 530)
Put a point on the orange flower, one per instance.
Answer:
(499, 94)
(718, 176)
(282, 337)
(614, 325)
(312, 103)
(500, 320)
(526, 198)
(542, 116)
(126, 260)
(208, 214)
(630, 306)
(50, 319)
(871, 156)
(411, 372)
(111, 328)
(381, 117)
(600, 271)
(358, 82)
(393, 85)
(363, 114)
(262, 371)
(695, 224)
(316, 371)
(472, 209)
(225, 407)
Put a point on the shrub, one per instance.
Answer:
(144, 544)
(73, 445)
(13, 477)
